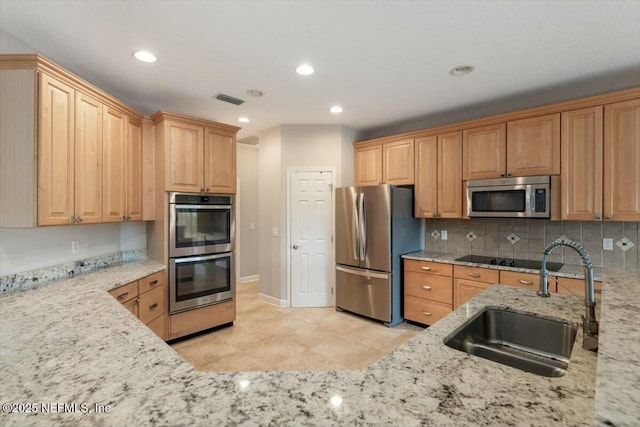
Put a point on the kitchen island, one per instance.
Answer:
(70, 342)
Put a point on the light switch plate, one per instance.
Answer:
(75, 246)
(607, 244)
(444, 235)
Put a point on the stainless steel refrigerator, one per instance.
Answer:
(374, 226)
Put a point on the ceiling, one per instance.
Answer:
(383, 61)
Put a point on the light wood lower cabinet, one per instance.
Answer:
(520, 280)
(428, 292)
(146, 298)
(470, 281)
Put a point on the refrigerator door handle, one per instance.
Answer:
(364, 273)
(363, 222)
(356, 229)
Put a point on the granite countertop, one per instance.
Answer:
(569, 271)
(71, 342)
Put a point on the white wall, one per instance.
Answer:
(10, 44)
(24, 249)
(249, 252)
(285, 147)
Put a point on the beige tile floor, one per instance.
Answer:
(268, 338)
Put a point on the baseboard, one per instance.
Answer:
(248, 279)
(273, 300)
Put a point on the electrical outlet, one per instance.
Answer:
(75, 246)
(444, 235)
(607, 244)
(274, 232)
(252, 226)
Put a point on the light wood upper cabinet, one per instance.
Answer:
(88, 159)
(398, 164)
(219, 162)
(484, 152)
(133, 172)
(55, 152)
(199, 155)
(426, 187)
(368, 165)
(114, 135)
(185, 158)
(533, 146)
(621, 161)
(581, 177)
(450, 175)
(438, 185)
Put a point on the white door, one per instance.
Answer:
(311, 260)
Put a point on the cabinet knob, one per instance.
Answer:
(508, 174)
(78, 219)
(426, 313)
(206, 189)
(426, 288)
(607, 216)
(526, 282)
(502, 174)
(425, 268)
(597, 216)
(476, 275)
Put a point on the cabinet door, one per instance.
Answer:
(484, 152)
(219, 163)
(88, 159)
(185, 157)
(426, 187)
(464, 290)
(450, 175)
(581, 177)
(368, 165)
(133, 172)
(533, 146)
(113, 145)
(397, 166)
(621, 160)
(55, 152)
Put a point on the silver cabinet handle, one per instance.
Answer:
(526, 282)
(426, 313)
(476, 275)
(153, 306)
(607, 216)
(123, 296)
(153, 282)
(597, 216)
(426, 268)
(426, 288)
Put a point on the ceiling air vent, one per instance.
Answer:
(229, 99)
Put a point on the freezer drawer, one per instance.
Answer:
(364, 292)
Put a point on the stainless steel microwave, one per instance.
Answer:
(520, 197)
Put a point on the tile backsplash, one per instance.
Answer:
(526, 239)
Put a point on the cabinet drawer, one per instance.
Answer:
(126, 292)
(152, 281)
(428, 267)
(477, 274)
(158, 325)
(521, 280)
(424, 311)
(152, 304)
(428, 286)
(132, 306)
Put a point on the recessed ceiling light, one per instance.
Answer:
(336, 109)
(244, 120)
(255, 92)
(305, 70)
(461, 70)
(145, 56)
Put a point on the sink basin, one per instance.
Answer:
(521, 340)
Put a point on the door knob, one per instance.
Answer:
(295, 246)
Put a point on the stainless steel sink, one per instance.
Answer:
(523, 341)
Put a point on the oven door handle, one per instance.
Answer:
(202, 258)
(203, 207)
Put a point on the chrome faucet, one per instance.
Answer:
(589, 322)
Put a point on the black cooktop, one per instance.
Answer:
(518, 263)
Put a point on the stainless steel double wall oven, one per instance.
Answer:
(201, 264)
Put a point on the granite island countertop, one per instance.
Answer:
(71, 342)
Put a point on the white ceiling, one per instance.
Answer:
(383, 61)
